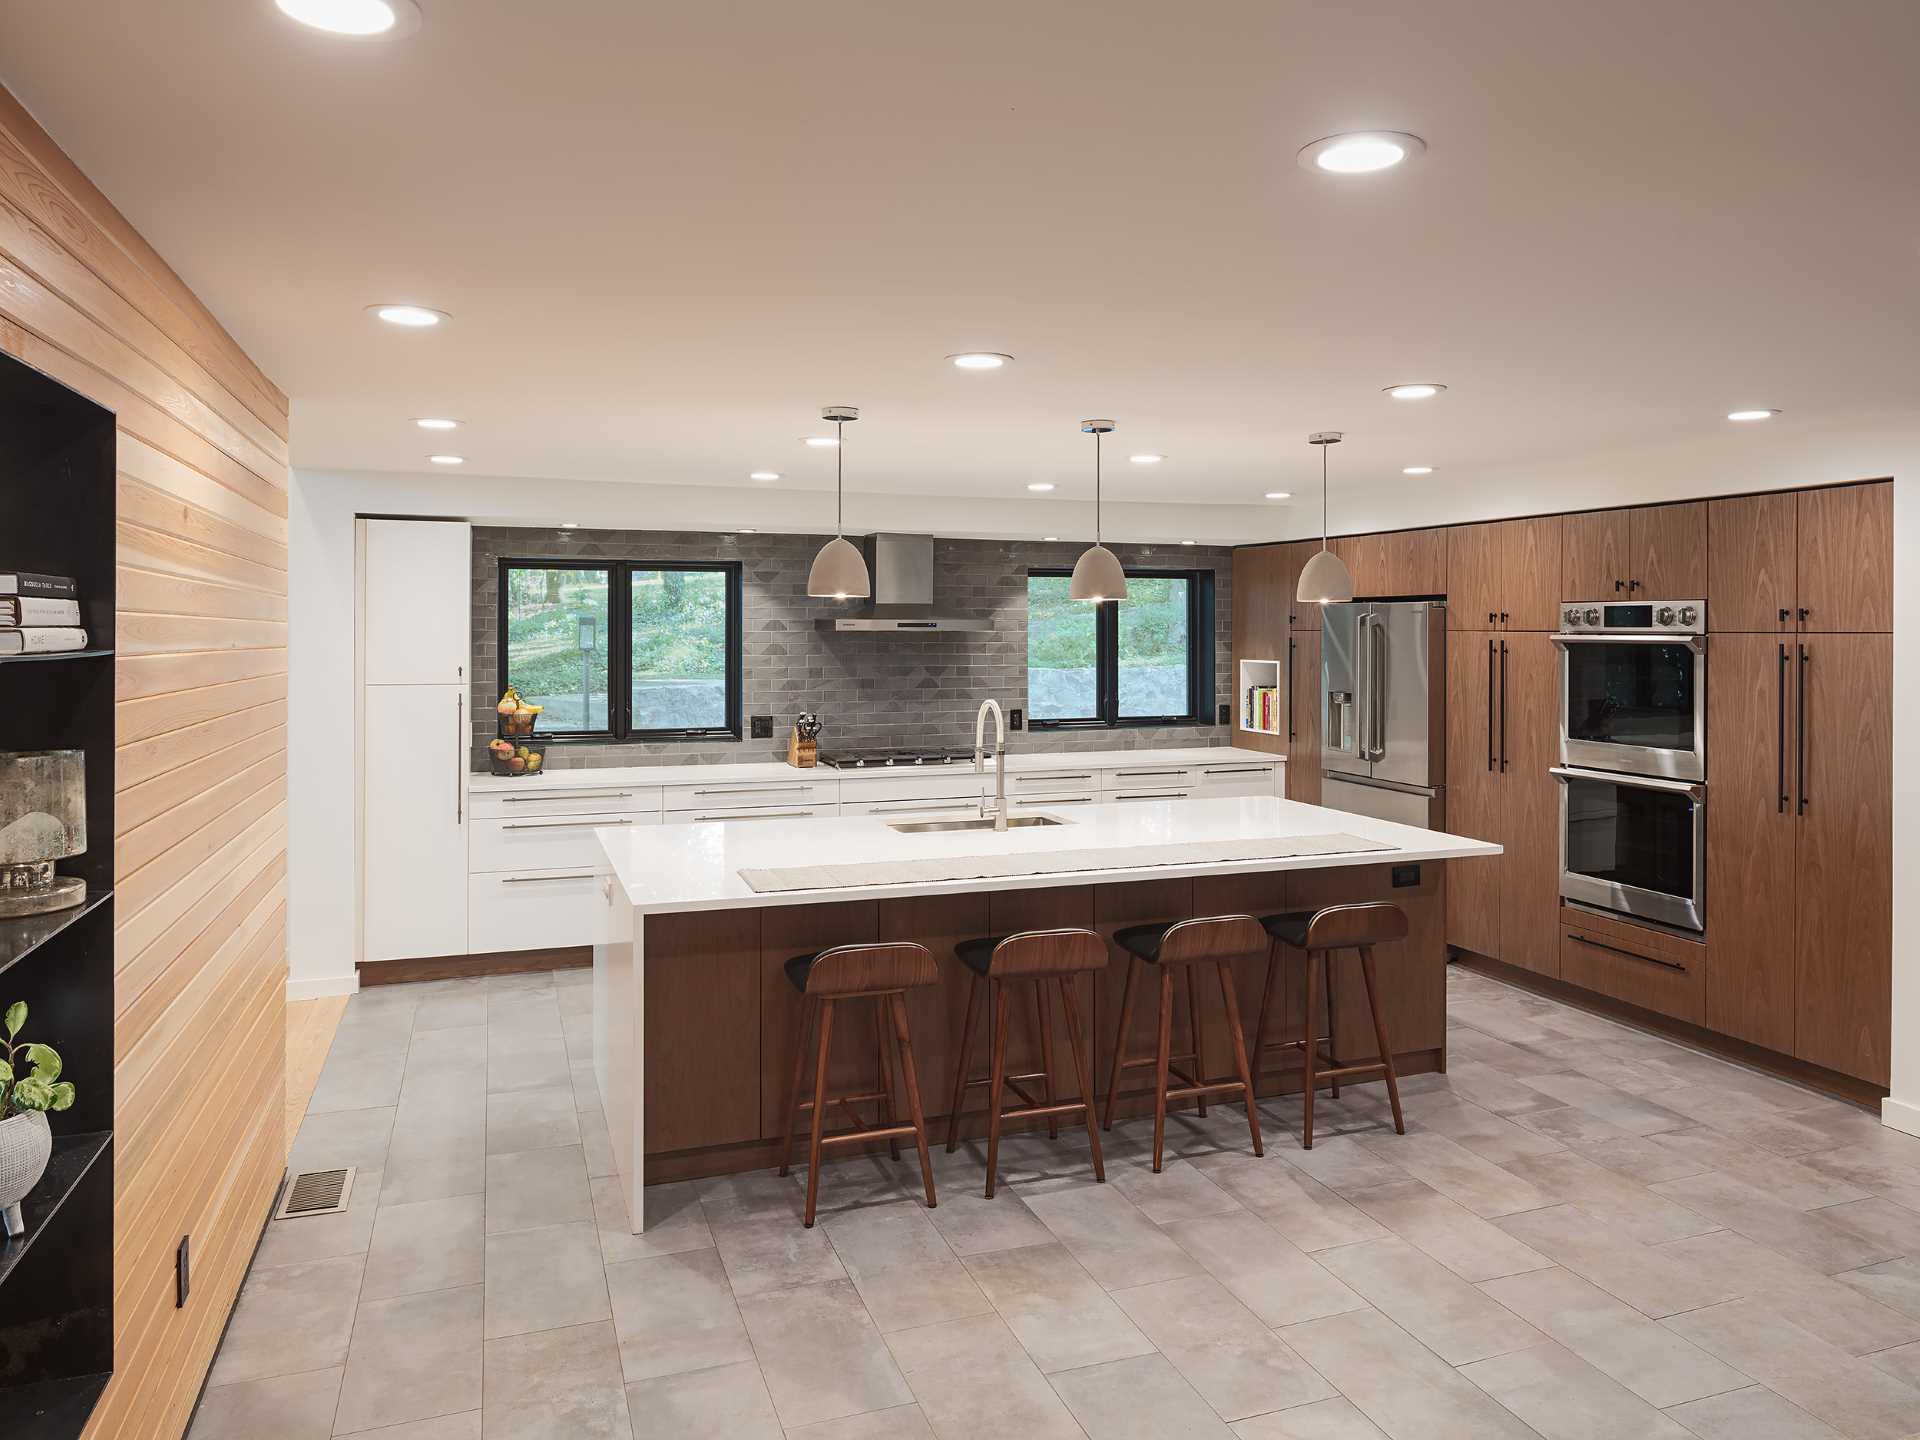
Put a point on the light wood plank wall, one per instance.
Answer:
(201, 696)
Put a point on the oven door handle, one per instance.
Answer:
(1632, 782)
(1696, 643)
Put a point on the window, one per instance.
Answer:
(1145, 660)
(669, 667)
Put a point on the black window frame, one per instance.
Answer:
(620, 574)
(1200, 647)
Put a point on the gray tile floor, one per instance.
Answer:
(1587, 1231)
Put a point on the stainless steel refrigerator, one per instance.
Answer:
(1383, 681)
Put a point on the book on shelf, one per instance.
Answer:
(1262, 708)
(18, 610)
(42, 639)
(25, 582)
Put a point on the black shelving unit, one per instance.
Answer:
(57, 510)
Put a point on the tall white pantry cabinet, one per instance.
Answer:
(412, 631)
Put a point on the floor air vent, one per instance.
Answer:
(316, 1192)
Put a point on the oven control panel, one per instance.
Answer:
(1601, 617)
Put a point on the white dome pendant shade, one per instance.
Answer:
(1097, 574)
(839, 571)
(1325, 579)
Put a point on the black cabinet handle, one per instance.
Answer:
(1804, 613)
(1489, 704)
(1632, 585)
(1785, 614)
(1618, 586)
(1630, 954)
(1780, 746)
(1290, 729)
(1503, 617)
(1503, 706)
(1490, 615)
(1800, 738)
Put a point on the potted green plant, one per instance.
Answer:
(30, 1086)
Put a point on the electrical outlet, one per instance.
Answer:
(762, 728)
(1226, 715)
(1016, 719)
(182, 1274)
(1405, 876)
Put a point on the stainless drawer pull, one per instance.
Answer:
(1062, 800)
(1146, 774)
(884, 807)
(553, 795)
(1154, 795)
(1239, 770)
(757, 815)
(1030, 779)
(559, 824)
(752, 789)
(542, 879)
(1630, 954)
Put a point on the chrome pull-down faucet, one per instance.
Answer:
(999, 759)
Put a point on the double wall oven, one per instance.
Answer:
(1633, 753)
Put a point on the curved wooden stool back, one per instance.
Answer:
(1357, 927)
(1216, 940)
(883, 973)
(1044, 957)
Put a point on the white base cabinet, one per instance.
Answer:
(414, 837)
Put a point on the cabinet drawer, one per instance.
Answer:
(942, 782)
(537, 910)
(727, 795)
(734, 814)
(1231, 777)
(542, 842)
(567, 800)
(1647, 968)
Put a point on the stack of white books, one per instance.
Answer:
(39, 614)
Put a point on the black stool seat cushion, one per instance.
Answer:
(1142, 940)
(1289, 928)
(801, 966)
(977, 954)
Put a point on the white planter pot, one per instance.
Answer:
(26, 1144)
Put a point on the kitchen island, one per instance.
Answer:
(694, 1019)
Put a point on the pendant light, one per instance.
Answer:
(1326, 579)
(839, 571)
(1097, 574)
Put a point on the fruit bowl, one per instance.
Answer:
(515, 757)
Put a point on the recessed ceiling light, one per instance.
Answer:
(746, 530)
(1189, 542)
(1279, 494)
(448, 459)
(569, 524)
(1049, 537)
(1361, 152)
(820, 442)
(432, 424)
(979, 360)
(1418, 470)
(1751, 414)
(1421, 390)
(358, 19)
(1041, 485)
(1146, 459)
(411, 317)
(763, 475)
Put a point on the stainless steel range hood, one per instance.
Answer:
(902, 570)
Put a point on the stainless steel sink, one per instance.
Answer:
(1016, 822)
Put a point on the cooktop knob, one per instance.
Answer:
(1592, 617)
(1688, 615)
(1572, 616)
(1664, 615)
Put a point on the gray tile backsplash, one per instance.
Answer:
(868, 689)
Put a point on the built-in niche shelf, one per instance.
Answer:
(1263, 696)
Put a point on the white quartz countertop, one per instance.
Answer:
(729, 773)
(664, 868)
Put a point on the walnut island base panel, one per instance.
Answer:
(693, 1018)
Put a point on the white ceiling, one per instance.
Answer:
(668, 234)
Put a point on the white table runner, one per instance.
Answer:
(1050, 862)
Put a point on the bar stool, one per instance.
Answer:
(882, 973)
(1040, 956)
(1215, 940)
(1357, 927)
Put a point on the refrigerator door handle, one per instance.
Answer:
(1379, 657)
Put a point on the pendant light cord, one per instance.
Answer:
(1323, 497)
(839, 478)
(1096, 487)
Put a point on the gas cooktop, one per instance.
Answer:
(876, 759)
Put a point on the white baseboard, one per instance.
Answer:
(1902, 1115)
(323, 985)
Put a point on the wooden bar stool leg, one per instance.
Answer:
(1266, 1010)
(799, 1069)
(819, 1108)
(960, 1069)
(1333, 1028)
(907, 1073)
(880, 1042)
(1380, 1034)
(1310, 1029)
(1001, 1010)
(1163, 1057)
(1193, 1033)
(1120, 1042)
(1043, 1013)
(1083, 1072)
(1232, 1006)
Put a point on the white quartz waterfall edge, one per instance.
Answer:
(1056, 862)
